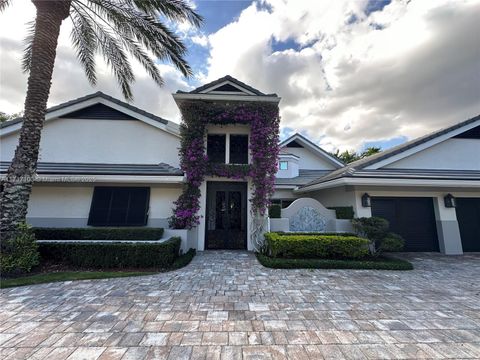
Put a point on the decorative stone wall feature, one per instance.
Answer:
(307, 214)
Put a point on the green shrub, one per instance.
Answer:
(113, 255)
(275, 211)
(99, 233)
(19, 252)
(343, 212)
(378, 263)
(316, 246)
(184, 260)
(373, 228)
(392, 242)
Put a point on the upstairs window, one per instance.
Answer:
(119, 206)
(283, 165)
(238, 149)
(216, 148)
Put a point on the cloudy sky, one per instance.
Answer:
(351, 74)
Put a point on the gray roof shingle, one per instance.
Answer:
(354, 167)
(50, 168)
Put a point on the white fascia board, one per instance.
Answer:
(289, 156)
(422, 146)
(289, 187)
(93, 179)
(93, 101)
(315, 148)
(390, 182)
(241, 89)
(254, 98)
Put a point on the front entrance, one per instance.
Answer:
(226, 220)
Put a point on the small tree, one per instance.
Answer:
(375, 229)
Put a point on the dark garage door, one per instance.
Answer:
(412, 218)
(468, 216)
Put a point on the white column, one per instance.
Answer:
(447, 228)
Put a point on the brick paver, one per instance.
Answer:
(226, 305)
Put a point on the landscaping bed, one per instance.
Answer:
(380, 263)
(324, 251)
(49, 271)
(100, 233)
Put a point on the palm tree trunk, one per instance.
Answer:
(18, 183)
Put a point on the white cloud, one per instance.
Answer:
(350, 82)
(69, 80)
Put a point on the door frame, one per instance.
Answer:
(227, 184)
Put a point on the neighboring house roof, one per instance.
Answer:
(48, 168)
(313, 147)
(304, 177)
(121, 105)
(230, 80)
(355, 169)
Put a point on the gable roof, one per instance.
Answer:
(90, 100)
(299, 138)
(230, 80)
(374, 162)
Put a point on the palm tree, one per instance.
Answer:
(112, 28)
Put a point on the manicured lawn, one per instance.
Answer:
(381, 263)
(67, 276)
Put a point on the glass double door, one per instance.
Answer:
(226, 222)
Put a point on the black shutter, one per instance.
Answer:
(119, 206)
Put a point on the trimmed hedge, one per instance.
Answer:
(343, 212)
(185, 259)
(316, 246)
(113, 255)
(99, 233)
(380, 263)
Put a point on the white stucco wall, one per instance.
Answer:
(161, 201)
(69, 205)
(292, 167)
(310, 161)
(452, 154)
(60, 202)
(100, 141)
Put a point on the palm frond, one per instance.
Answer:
(27, 52)
(4, 4)
(110, 47)
(85, 43)
(176, 10)
(115, 27)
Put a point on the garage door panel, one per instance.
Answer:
(412, 218)
(468, 216)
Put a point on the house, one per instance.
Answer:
(104, 162)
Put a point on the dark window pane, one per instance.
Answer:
(238, 149)
(119, 206)
(235, 210)
(216, 148)
(220, 210)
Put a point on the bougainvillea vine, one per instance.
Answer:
(263, 119)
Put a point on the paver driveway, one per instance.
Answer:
(226, 305)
